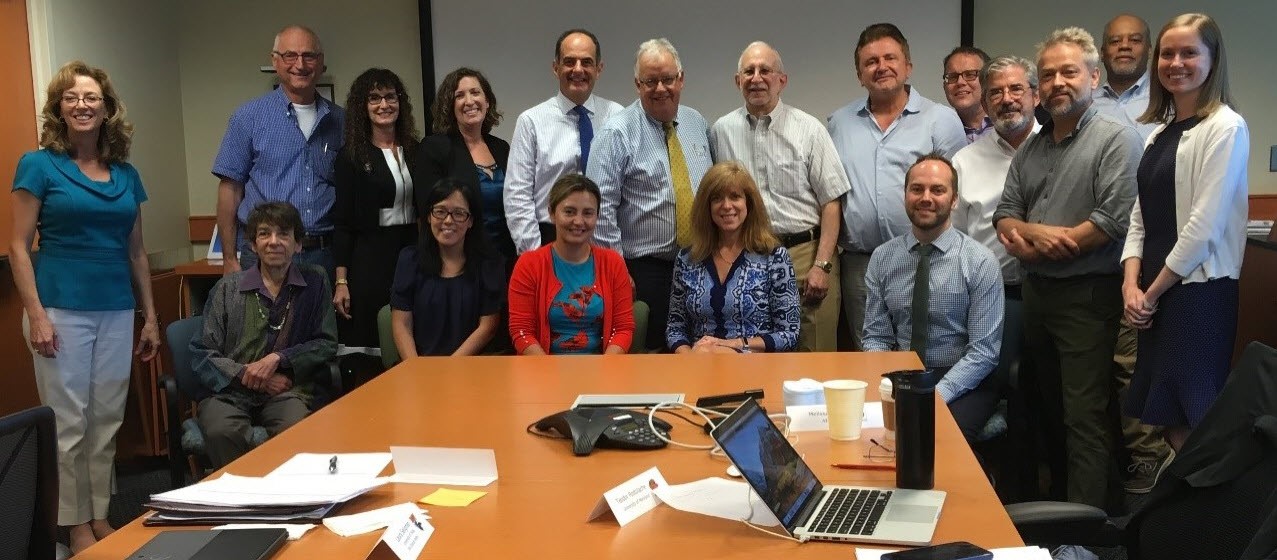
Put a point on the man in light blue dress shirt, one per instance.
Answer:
(547, 142)
(1125, 52)
(965, 307)
(630, 161)
(878, 137)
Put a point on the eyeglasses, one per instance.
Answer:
(1013, 91)
(89, 100)
(391, 98)
(883, 454)
(968, 75)
(650, 83)
(291, 57)
(459, 216)
(761, 71)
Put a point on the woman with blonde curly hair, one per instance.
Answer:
(81, 195)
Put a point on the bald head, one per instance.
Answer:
(297, 32)
(760, 76)
(298, 59)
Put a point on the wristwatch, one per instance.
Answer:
(824, 265)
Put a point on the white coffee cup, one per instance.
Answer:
(888, 409)
(845, 406)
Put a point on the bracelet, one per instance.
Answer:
(744, 345)
(341, 282)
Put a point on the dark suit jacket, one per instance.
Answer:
(361, 192)
(445, 155)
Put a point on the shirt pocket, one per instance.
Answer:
(788, 178)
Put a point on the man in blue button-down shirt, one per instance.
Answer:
(281, 147)
(965, 307)
(878, 137)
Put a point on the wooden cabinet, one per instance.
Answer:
(145, 432)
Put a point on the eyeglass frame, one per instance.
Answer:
(950, 78)
(291, 57)
(89, 100)
(1007, 91)
(392, 98)
(649, 84)
(440, 213)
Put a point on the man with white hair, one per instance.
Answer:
(1063, 214)
(648, 160)
(791, 157)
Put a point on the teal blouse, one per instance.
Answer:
(84, 226)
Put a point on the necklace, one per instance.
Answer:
(261, 310)
(489, 168)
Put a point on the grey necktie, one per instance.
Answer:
(921, 301)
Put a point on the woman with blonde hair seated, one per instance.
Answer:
(734, 288)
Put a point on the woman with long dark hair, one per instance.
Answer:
(449, 288)
(373, 216)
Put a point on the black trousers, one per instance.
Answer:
(652, 280)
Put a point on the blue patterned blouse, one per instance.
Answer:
(759, 298)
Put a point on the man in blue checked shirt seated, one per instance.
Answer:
(953, 320)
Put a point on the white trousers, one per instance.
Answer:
(86, 384)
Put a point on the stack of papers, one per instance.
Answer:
(369, 521)
(1258, 228)
(240, 499)
(355, 465)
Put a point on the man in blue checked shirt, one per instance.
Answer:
(962, 299)
(281, 147)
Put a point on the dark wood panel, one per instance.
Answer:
(1257, 316)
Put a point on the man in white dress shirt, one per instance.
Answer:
(552, 139)
(793, 160)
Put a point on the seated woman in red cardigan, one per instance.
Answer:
(571, 297)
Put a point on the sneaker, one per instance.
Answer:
(1144, 474)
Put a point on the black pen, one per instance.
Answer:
(332, 465)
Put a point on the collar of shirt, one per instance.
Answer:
(913, 105)
(658, 124)
(322, 106)
(252, 281)
(944, 243)
(986, 125)
(1049, 128)
(774, 118)
(567, 105)
(1139, 86)
(1006, 147)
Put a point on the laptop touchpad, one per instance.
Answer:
(911, 513)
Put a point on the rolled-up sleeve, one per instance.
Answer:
(1115, 190)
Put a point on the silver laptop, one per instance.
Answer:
(809, 510)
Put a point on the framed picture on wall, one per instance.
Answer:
(326, 91)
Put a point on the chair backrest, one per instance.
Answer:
(28, 484)
(180, 333)
(386, 337)
(1218, 499)
(641, 312)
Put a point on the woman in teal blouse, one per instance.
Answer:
(77, 291)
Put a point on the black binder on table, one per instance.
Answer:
(241, 544)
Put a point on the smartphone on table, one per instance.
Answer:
(960, 550)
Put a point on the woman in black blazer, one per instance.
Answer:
(374, 215)
(464, 111)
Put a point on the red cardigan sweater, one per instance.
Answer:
(533, 286)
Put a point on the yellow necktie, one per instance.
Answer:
(682, 188)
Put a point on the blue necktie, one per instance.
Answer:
(586, 130)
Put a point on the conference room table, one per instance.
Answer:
(538, 506)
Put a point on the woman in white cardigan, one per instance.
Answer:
(1183, 251)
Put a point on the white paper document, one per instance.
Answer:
(295, 531)
(444, 465)
(369, 521)
(813, 417)
(365, 465)
(1014, 553)
(718, 497)
(244, 491)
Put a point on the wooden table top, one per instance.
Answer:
(538, 506)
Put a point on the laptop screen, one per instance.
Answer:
(767, 460)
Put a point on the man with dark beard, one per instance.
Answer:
(937, 291)
(1063, 214)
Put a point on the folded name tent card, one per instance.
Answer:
(718, 497)
(814, 418)
(631, 498)
(453, 466)
(369, 521)
(403, 539)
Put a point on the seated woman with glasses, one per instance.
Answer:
(571, 297)
(734, 288)
(447, 292)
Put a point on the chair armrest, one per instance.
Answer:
(1057, 523)
(176, 455)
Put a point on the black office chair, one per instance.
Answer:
(28, 485)
(1217, 500)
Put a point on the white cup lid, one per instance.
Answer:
(885, 386)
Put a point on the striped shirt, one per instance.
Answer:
(546, 146)
(964, 314)
(265, 151)
(792, 159)
(630, 163)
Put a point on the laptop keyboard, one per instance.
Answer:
(851, 511)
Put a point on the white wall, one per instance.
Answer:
(1004, 27)
(135, 41)
(224, 43)
(513, 45)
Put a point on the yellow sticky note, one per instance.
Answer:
(452, 498)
